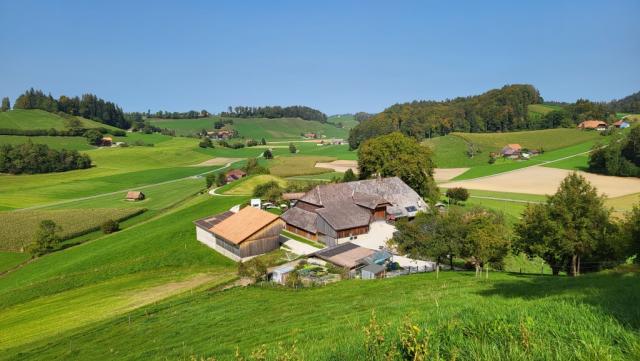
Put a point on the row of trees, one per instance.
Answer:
(296, 111)
(88, 106)
(38, 158)
(478, 234)
(621, 157)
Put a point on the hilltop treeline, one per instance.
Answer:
(498, 110)
(629, 104)
(88, 106)
(621, 158)
(163, 114)
(38, 158)
(296, 111)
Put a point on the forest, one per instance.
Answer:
(629, 104)
(33, 158)
(88, 106)
(296, 111)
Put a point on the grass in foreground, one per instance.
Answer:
(507, 317)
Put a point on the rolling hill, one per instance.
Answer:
(256, 128)
(39, 119)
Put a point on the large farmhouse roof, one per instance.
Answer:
(345, 215)
(301, 218)
(242, 225)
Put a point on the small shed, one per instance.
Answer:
(372, 271)
(621, 124)
(106, 141)
(280, 274)
(135, 196)
(256, 203)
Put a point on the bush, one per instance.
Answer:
(254, 268)
(205, 143)
(237, 145)
(270, 190)
(94, 137)
(252, 143)
(110, 226)
(458, 194)
(292, 148)
(267, 154)
(252, 167)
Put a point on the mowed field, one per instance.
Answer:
(39, 119)
(256, 128)
(451, 150)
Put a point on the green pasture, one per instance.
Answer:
(39, 119)
(348, 120)
(71, 143)
(8, 260)
(504, 317)
(245, 186)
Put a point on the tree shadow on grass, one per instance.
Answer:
(615, 293)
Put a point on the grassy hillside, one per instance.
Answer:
(72, 143)
(161, 250)
(451, 150)
(39, 119)
(246, 186)
(507, 317)
(257, 128)
(348, 120)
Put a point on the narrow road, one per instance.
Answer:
(120, 191)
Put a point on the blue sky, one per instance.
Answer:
(337, 56)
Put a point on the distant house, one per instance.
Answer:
(222, 134)
(134, 196)
(240, 236)
(621, 124)
(593, 125)
(510, 150)
(235, 174)
(311, 135)
(337, 213)
(106, 141)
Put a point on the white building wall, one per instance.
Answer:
(210, 241)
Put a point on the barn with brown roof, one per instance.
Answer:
(593, 125)
(242, 235)
(235, 174)
(134, 196)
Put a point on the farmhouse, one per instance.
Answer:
(106, 141)
(336, 213)
(621, 124)
(235, 174)
(358, 260)
(311, 135)
(510, 150)
(593, 125)
(134, 196)
(242, 235)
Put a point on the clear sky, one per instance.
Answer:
(337, 56)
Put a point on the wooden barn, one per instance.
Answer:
(134, 196)
(242, 235)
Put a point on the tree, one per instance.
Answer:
(47, 239)
(6, 105)
(435, 236)
(487, 237)
(631, 232)
(267, 154)
(94, 137)
(573, 224)
(221, 179)
(263, 141)
(110, 226)
(252, 143)
(349, 176)
(457, 194)
(205, 143)
(270, 191)
(292, 148)
(398, 155)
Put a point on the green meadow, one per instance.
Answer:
(257, 128)
(39, 119)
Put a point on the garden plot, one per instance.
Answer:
(544, 180)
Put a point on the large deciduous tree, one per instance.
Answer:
(488, 238)
(6, 105)
(573, 224)
(398, 155)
